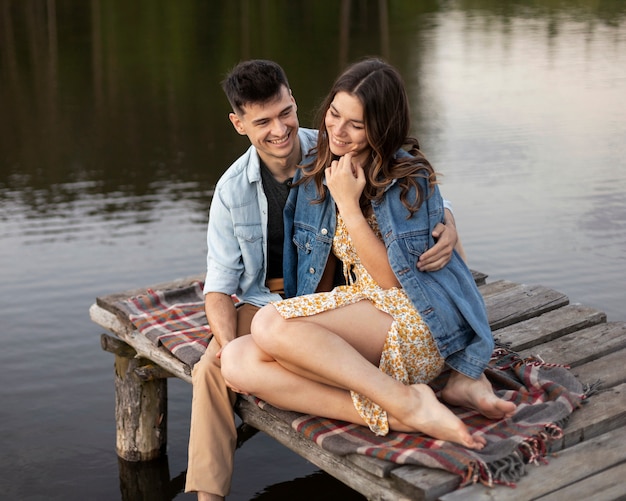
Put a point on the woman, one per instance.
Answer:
(365, 351)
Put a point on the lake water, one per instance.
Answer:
(113, 131)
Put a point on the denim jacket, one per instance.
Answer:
(237, 231)
(448, 300)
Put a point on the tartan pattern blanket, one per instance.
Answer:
(174, 319)
(545, 394)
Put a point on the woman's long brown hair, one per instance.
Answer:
(380, 89)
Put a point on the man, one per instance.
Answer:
(245, 241)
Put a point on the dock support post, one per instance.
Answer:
(140, 406)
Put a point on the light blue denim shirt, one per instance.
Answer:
(448, 300)
(237, 231)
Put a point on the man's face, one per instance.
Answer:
(272, 127)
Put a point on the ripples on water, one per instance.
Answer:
(529, 146)
(523, 112)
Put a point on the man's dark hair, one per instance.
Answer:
(254, 81)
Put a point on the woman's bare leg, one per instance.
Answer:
(343, 347)
(268, 380)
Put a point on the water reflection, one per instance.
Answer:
(97, 94)
(149, 480)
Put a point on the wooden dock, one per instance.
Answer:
(588, 462)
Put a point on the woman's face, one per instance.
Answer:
(346, 128)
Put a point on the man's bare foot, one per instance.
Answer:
(476, 394)
(423, 412)
(207, 496)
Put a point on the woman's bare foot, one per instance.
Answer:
(476, 394)
(424, 412)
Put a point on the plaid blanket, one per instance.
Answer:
(174, 319)
(545, 394)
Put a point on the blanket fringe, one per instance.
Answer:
(510, 469)
(512, 360)
(590, 389)
(537, 361)
(477, 471)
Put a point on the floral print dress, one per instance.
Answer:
(409, 355)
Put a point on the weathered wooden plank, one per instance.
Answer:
(607, 485)
(479, 277)
(567, 467)
(105, 318)
(147, 372)
(116, 346)
(549, 326)
(420, 482)
(521, 303)
(143, 345)
(371, 486)
(430, 482)
(375, 466)
(582, 346)
(496, 287)
(603, 412)
(609, 370)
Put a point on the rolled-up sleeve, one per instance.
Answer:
(224, 262)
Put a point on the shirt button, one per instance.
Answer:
(311, 270)
(324, 231)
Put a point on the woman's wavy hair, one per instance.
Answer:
(380, 89)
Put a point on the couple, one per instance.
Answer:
(375, 308)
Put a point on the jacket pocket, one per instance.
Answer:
(250, 237)
(416, 243)
(303, 239)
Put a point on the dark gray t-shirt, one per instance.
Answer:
(276, 193)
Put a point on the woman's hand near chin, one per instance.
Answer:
(345, 180)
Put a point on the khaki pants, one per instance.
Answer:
(213, 435)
